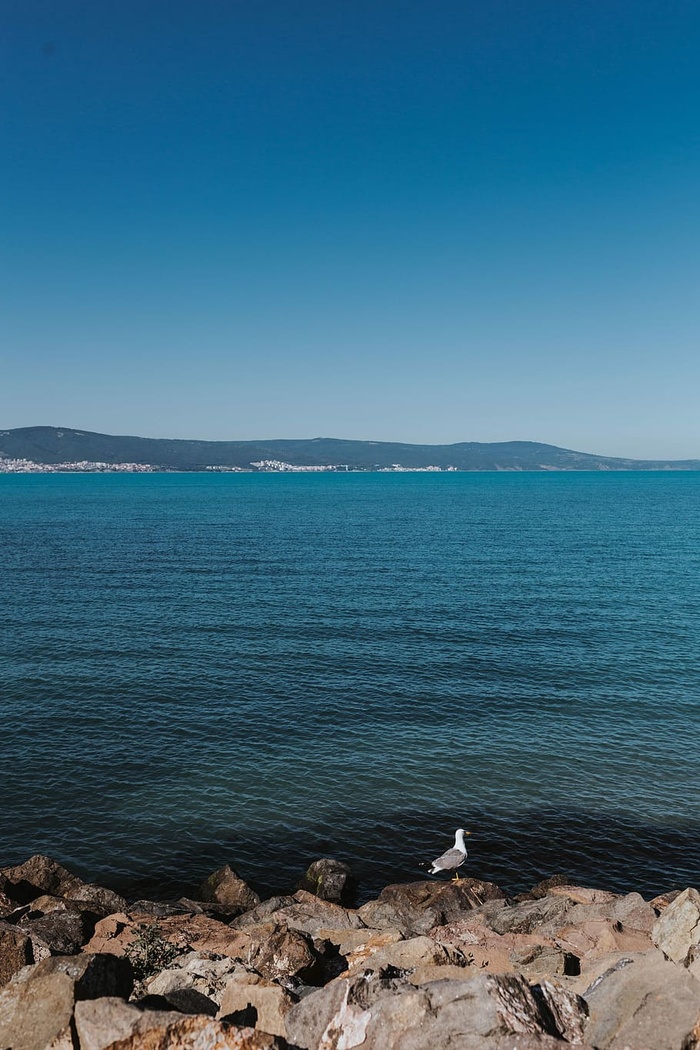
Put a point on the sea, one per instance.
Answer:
(264, 669)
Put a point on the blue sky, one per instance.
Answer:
(420, 221)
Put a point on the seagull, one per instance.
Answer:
(453, 858)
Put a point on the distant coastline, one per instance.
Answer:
(30, 450)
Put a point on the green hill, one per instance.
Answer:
(53, 445)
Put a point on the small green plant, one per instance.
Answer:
(149, 952)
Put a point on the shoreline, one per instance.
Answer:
(427, 963)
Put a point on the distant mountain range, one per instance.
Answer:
(58, 448)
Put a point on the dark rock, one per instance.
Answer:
(15, 951)
(97, 899)
(186, 1000)
(331, 880)
(159, 909)
(226, 887)
(221, 912)
(416, 907)
(63, 932)
(542, 888)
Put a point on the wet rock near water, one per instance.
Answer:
(432, 963)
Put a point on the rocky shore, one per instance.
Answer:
(433, 964)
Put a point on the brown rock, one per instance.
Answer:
(38, 875)
(356, 945)
(270, 1002)
(15, 951)
(273, 950)
(532, 954)
(226, 887)
(662, 901)
(416, 907)
(277, 952)
(199, 1033)
(405, 955)
(7, 906)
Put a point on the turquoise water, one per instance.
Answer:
(263, 669)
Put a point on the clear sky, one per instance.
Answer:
(418, 220)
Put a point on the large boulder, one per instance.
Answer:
(37, 876)
(303, 912)
(677, 930)
(227, 888)
(101, 1022)
(243, 993)
(642, 1000)
(331, 880)
(15, 951)
(37, 1005)
(406, 955)
(416, 907)
(386, 1013)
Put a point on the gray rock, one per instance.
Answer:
(643, 1000)
(416, 907)
(225, 887)
(677, 930)
(388, 1014)
(530, 915)
(331, 880)
(101, 1022)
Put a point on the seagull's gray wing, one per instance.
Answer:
(449, 860)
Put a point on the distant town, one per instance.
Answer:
(86, 466)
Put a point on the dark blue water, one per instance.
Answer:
(263, 669)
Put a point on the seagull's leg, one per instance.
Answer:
(456, 877)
